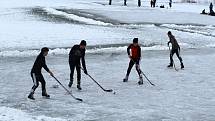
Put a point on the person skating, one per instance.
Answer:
(37, 75)
(170, 3)
(77, 54)
(152, 3)
(134, 53)
(211, 8)
(175, 49)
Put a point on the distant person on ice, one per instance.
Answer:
(203, 12)
(76, 54)
(170, 3)
(135, 56)
(175, 49)
(37, 75)
(211, 8)
(152, 3)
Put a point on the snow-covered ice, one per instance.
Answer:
(11, 114)
(182, 96)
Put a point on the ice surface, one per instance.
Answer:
(182, 96)
(11, 114)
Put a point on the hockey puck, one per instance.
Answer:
(55, 86)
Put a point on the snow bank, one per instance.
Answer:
(64, 51)
(10, 114)
(74, 17)
(93, 50)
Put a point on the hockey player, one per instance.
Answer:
(77, 54)
(134, 53)
(175, 49)
(37, 75)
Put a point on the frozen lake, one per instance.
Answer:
(181, 96)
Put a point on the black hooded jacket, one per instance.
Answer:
(76, 54)
(38, 64)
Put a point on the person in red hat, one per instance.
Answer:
(134, 53)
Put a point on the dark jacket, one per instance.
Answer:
(174, 43)
(211, 6)
(38, 64)
(76, 54)
(135, 52)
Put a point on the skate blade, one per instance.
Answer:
(46, 97)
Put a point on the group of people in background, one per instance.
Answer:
(77, 55)
(153, 2)
(211, 12)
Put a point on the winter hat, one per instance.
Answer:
(169, 33)
(83, 42)
(44, 49)
(135, 40)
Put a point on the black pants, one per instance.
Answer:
(125, 2)
(131, 64)
(152, 3)
(172, 52)
(170, 5)
(74, 65)
(36, 79)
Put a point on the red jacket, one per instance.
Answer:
(135, 51)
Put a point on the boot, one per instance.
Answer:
(70, 83)
(182, 66)
(44, 93)
(140, 82)
(170, 65)
(79, 87)
(125, 79)
(31, 96)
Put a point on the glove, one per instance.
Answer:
(51, 73)
(85, 71)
